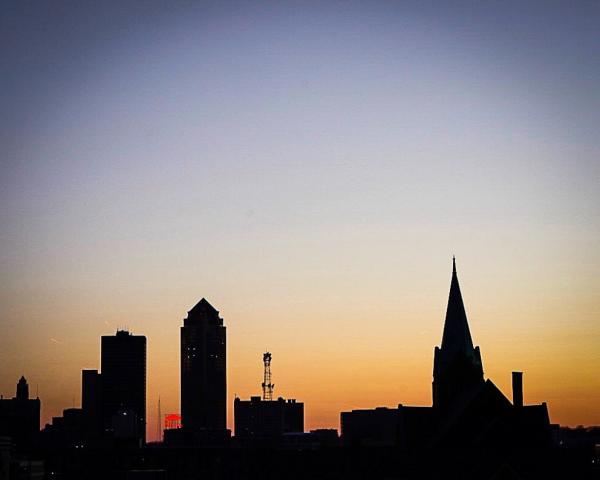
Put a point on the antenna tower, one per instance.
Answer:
(158, 420)
(267, 386)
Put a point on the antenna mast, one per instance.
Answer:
(158, 420)
(267, 386)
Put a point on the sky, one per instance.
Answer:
(310, 168)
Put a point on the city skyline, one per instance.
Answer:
(310, 169)
(203, 306)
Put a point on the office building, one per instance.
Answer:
(123, 367)
(203, 370)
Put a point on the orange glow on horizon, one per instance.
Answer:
(335, 363)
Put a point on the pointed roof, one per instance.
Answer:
(456, 328)
(203, 306)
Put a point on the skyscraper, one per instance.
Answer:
(123, 365)
(203, 370)
(457, 366)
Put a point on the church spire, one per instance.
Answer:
(457, 366)
(456, 328)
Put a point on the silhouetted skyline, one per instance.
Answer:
(309, 169)
(114, 400)
(471, 430)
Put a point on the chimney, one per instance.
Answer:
(517, 386)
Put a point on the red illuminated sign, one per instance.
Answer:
(172, 420)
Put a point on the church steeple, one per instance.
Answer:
(457, 366)
(457, 335)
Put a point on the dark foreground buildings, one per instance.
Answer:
(113, 402)
(468, 411)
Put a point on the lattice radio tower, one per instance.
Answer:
(267, 386)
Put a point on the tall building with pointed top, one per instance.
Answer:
(468, 411)
(203, 370)
(457, 366)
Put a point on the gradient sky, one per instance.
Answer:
(309, 168)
